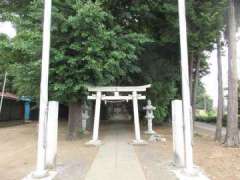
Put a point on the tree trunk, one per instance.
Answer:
(232, 136)
(191, 59)
(91, 117)
(218, 133)
(74, 120)
(194, 88)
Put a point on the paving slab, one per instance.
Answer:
(116, 159)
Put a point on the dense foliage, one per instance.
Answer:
(159, 19)
(115, 42)
(88, 47)
(204, 102)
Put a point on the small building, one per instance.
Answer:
(23, 108)
(12, 108)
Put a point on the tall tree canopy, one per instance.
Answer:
(108, 42)
(87, 47)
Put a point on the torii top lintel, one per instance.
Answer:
(118, 88)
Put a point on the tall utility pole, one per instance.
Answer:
(41, 150)
(185, 87)
(3, 90)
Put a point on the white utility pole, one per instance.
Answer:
(185, 87)
(41, 150)
(3, 90)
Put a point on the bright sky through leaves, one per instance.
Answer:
(7, 28)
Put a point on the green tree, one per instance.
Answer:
(120, 28)
(87, 47)
(159, 19)
(204, 23)
(203, 100)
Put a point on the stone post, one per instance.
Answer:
(52, 134)
(178, 134)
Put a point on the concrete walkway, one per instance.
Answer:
(116, 159)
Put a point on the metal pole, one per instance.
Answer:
(185, 87)
(3, 90)
(41, 151)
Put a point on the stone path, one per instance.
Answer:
(116, 159)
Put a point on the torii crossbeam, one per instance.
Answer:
(101, 93)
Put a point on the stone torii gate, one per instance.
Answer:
(102, 94)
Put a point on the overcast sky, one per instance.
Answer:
(210, 81)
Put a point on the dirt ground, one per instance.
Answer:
(18, 153)
(217, 161)
(156, 157)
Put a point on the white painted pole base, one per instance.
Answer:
(94, 143)
(196, 174)
(52, 134)
(50, 176)
(38, 174)
(178, 134)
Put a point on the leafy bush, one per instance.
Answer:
(211, 119)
